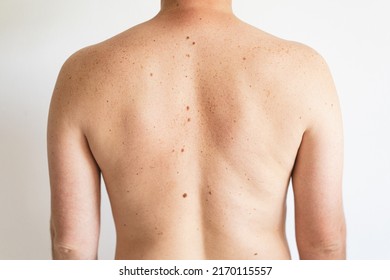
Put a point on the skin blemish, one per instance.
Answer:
(255, 254)
(184, 195)
(182, 150)
(70, 78)
(193, 43)
(210, 193)
(188, 108)
(173, 150)
(188, 37)
(244, 58)
(187, 55)
(107, 101)
(189, 119)
(151, 74)
(124, 225)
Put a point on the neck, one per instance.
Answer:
(182, 5)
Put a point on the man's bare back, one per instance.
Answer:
(195, 120)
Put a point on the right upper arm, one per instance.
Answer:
(317, 173)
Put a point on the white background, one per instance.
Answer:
(36, 37)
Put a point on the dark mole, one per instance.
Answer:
(182, 150)
(189, 119)
(177, 5)
(70, 77)
(110, 130)
(188, 108)
(209, 193)
(331, 104)
(255, 254)
(188, 37)
(184, 195)
(136, 214)
(193, 43)
(300, 117)
(107, 101)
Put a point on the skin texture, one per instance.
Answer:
(197, 121)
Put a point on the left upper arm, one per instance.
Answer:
(74, 174)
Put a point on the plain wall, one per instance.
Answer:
(37, 36)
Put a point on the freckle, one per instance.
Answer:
(173, 150)
(186, 76)
(332, 104)
(255, 254)
(182, 150)
(244, 58)
(188, 108)
(177, 5)
(107, 101)
(193, 43)
(124, 225)
(187, 55)
(154, 40)
(188, 37)
(151, 74)
(300, 117)
(136, 174)
(136, 214)
(184, 195)
(250, 86)
(209, 193)
(189, 119)
(70, 77)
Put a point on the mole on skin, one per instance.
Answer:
(184, 195)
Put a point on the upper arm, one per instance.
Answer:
(317, 174)
(74, 174)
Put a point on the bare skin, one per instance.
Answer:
(197, 121)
